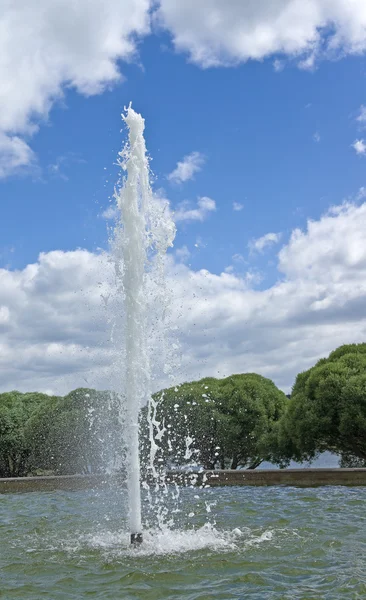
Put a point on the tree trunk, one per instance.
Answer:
(255, 464)
(235, 462)
(209, 466)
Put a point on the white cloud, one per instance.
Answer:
(316, 137)
(110, 213)
(55, 336)
(4, 315)
(200, 243)
(185, 212)
(229, 269)
(323, 248)
(15, 155)
(55, 323)
(308, 63)
(186, 169)
(259, 244)
(361, 194)
(237, 206)
(362, 115)
(182, 254)
(238, 260)
(223, 33)
(278, 65)
(46, 47)
(359, 146)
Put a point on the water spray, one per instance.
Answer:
(143, 233)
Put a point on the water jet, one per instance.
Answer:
(144, 230)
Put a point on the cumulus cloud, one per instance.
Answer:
(237, 206)
(55, 324)
(185, 212)
(15, 155)
(55, 333)
(361, 194)
(316, 137)
(182, 254)
(318, 304)
(217, 33)
(362, 115)
(46, 47)
(186, 169)
(359, 146)
(323, 248)
(259, 244)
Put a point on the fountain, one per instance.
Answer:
(259, 542)
(144, 231)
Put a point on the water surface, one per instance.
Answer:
(258, 543)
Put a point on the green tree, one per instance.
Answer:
(78, 433)
(16, 409)
(349, 461)
(327, 409)
(252, 406)
(217, 422)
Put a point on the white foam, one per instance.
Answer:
(115, 545)
(266, 536)
(165, 541)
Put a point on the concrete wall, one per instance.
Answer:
(288, 477)
(50, 483)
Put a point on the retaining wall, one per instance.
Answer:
(261, 477)
(288, 477)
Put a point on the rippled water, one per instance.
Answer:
(263, 543)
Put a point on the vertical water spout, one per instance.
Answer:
(144, 230)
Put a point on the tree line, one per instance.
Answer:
(236, 422)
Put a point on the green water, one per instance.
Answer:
(263, 543)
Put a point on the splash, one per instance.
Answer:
(143, 233)
(166, 541)
(157, 542)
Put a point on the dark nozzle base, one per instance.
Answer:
(136, 538)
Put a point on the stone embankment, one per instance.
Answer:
(260, 477)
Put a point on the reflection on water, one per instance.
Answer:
(280, 543)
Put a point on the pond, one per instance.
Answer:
(258, 543)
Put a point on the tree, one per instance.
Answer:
(217, 422)
(184, 421)
(349, 461)
(78, 433)
(252, 406)
(327, 409)
(16, 409)
(212, 422)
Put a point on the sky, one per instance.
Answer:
(255, 117)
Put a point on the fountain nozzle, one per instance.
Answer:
(136, 538)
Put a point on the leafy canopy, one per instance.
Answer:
(327, 409)
(218, 422)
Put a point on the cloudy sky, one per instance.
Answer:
(256, 126)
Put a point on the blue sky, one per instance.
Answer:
(272, 126)
(254, 126)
